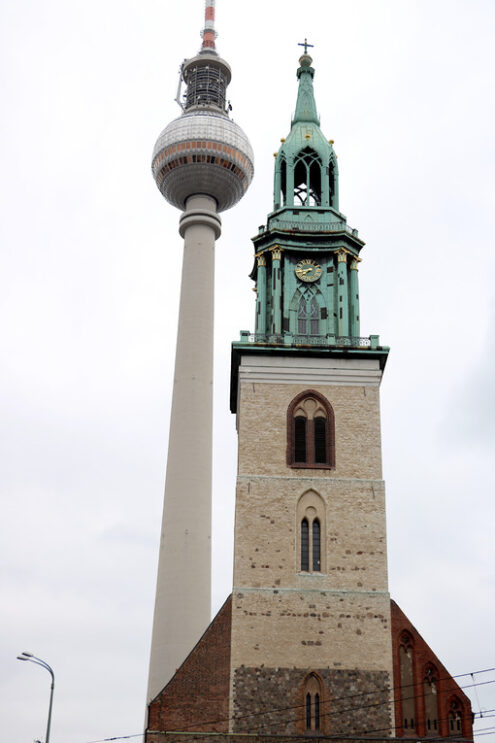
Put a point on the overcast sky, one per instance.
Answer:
(89, 280)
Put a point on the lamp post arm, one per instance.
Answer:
(44, 664)
(39, 662)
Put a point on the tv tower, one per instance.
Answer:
(203, 164)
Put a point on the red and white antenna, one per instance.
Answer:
(209, 33)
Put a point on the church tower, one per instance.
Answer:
(309, 643)
(310, 602)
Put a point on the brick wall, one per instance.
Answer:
(448, 689)
(197, 697)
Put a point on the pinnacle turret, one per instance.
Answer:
(306, 172)
(306, 105)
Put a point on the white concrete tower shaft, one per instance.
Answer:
(202, 163)
(183, 592)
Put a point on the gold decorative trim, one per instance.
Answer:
(276, 252)
(261, 260)
(342, 255)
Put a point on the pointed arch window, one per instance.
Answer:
(307, 316)
(332, 184)
(312, 704)
(283, 181)
(305, 545)
(310, 431)
(310, 545)
(455, 717)
(307, 178)
(407, 696)
(430, 692)
(311, 533)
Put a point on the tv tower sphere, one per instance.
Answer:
(203, 151)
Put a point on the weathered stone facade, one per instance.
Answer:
(284, 625)
(337, 617)
(271, 701)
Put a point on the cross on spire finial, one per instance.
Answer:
(305, 44)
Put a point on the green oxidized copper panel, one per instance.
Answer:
(317, 304)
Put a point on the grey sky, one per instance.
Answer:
(91, 262)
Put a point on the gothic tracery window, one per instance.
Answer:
(455, 717)
(310, 432)
(307, 178)
(312, 704)
(307, 316)
(311, 533)
(407, 690)
(430, 691)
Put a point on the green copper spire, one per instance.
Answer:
(307, 256)
(306, 171)
(306, 104)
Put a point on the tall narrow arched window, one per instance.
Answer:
(316, 545)
(332, 184)
(312, 704)
(283, 181)
(430, 691)
(304, 545)
(320, 437)
(310, 432)
(407, 689)
(314, 325)
(308, 320)
(455, 717)
(308, 711)
(300, 452)
(302, 317)
(307, 178)
(311, 532)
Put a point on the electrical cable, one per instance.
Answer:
(477, 697)
(333, 700)
(343, 698)
(121, 737)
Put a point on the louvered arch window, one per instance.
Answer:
(300, 452)
(310, 432)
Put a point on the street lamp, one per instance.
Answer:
(33, 659)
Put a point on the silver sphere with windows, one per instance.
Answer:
(203, 152)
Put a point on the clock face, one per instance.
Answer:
(308, 270)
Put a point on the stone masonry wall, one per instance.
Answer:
(271, 701)
(241, 738)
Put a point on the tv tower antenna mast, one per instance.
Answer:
(203, 164)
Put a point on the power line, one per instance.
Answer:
(121, 737)
(326, 701)
(273, 710)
